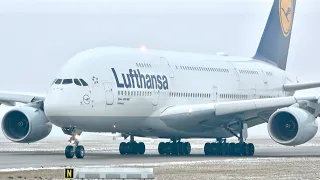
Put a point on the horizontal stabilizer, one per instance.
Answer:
(300, 86)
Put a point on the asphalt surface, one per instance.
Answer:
(103, 151)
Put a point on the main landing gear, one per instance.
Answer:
(132, 147)
(222, 148)
(75, 148)
(174, 148)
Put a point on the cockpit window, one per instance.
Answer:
(77, 82)
(58, 81)
(83, 82)
(53, 81)
(67, 81)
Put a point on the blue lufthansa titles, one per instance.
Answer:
(135, 79)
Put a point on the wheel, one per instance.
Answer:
(214, 149)
(122, 148)
(80, 152)
(133, 146)
(180, 148)
(250, 149)
(232, 147)
(174, 148)
(225, 149)
(129, 148)
(161, 148)
(186, 148)
(141, 148)
(168, 148)
(245, 151)
(219, 150)
(207, 149)
(69, 152)
(240, 149)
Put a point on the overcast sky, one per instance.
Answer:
(38, 37)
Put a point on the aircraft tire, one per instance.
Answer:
(69, 152)
(122, 148)
(141, 148)
(187, 148)
(207, 149)
(251, 149)
(161, 148)
(80, 152)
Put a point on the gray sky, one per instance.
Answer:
(38, 37)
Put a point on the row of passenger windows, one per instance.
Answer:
(171, 94)
(241, 96)
(191, 68)
(79, 82)
(144, 65)
(233, 96)
(248, 72)
(192, 95)
(262, 97)
(134, 93)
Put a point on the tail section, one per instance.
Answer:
(275, 41)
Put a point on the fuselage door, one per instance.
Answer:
(264, 75)
(214, 93)
(253, 93)
(171, 74)
(235, 71)
(109, 93)
(155, 97)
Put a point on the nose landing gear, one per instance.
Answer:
(75, 148)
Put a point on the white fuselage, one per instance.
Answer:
(129, 88)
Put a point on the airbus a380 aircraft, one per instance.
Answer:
(173, 95)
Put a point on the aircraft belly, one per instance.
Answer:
(99, 123)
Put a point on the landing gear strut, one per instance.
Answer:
(75, 148)
(222, 148)
(132, 147)
(174, 148)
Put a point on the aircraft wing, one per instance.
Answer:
(300, 86)
(10, 98)
(197, 117)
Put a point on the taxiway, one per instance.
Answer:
(286, 162)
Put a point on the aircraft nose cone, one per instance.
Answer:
(52, 104)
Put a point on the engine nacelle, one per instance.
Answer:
(292, 126)
(25, 125)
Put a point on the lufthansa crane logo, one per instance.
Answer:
(286, 16)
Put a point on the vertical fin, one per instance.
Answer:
(275, 41)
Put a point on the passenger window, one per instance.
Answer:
(77, 82)
(83, 82)
(67, 81)
(58, 81)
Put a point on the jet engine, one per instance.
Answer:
(292, 126)
(25, 124)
